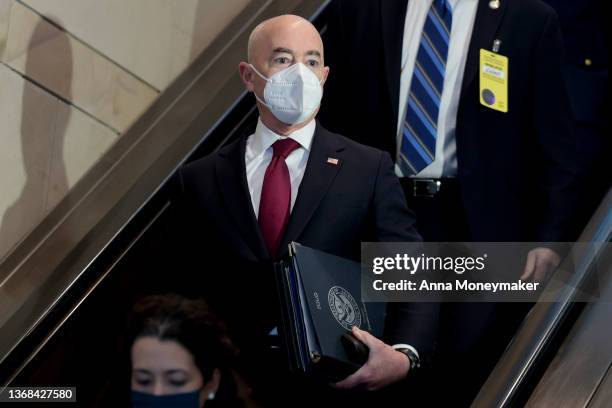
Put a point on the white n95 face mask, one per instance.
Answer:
(293, 94)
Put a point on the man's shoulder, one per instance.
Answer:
(532, 9)
(208, 162)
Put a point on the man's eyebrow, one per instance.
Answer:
(282, 49)
(313, 52)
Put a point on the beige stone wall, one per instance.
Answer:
(74, 75)
(162, 35)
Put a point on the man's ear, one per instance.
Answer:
(246, 74)
(325, 74)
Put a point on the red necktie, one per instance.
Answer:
(275, 203)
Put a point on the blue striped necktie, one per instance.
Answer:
(420, 127)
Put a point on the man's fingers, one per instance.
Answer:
(365, 337)
(529, 266)
(540, 262)
(544, 265)
(357, 332)
(555, 260)
(541, 270)
(361, 376)
(545, 261)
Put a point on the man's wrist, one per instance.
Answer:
(411, 353)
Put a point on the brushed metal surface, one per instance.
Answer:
(539, 327)
(603, 395)
(583, 359)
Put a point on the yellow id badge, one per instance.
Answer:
(494, 80)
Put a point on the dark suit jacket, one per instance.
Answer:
(586, 31)
(337, 207)
(585, 28)
(517, 171)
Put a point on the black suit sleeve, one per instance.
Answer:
(555, 128)
(394, 221)
(185, 256)
(407, 323)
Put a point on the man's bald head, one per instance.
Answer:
(275, 45)
(266, 35)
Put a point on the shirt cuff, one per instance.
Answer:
(406, 346)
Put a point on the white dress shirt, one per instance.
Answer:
(258, 156)
(464, 13)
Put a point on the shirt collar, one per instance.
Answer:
(263, 137)
(453, 3)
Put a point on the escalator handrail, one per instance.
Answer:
(544, 320)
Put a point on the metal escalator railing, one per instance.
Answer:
(45, 279)
(522, 366)
(579, 367)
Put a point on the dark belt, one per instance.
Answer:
(429, 188)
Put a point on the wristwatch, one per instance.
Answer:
(415, 362)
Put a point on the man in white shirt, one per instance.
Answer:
(476, 165)
(292, 180)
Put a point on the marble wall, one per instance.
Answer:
(162, 35)
(74, 75)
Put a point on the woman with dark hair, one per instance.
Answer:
(180, 355)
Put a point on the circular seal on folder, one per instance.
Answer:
(488, 96)
(344, 307)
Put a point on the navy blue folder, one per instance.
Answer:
(320, 299)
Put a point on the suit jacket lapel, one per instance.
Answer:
(486, 25)
(317, 179)
(231, 176)
(393, 17)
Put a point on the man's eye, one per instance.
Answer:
(313, 63)
(282, 60)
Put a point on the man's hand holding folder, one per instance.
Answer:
(385, 365)
(321, 306)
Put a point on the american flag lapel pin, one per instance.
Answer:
(332, 160)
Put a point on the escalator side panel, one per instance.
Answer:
(603, 395)
(582, 360)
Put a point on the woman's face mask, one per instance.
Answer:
(184, 400)
(293, 94)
